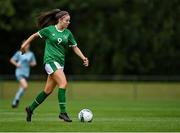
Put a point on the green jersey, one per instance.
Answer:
(56, 43)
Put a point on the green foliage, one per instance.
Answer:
(6, 11)
(119, 36)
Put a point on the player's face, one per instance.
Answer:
(65, 21)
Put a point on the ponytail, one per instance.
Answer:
(50, 18)
(47, 18)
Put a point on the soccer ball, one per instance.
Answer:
(85, 115)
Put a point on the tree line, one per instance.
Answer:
(128, 37)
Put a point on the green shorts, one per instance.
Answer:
(51, 67)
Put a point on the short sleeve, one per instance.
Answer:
(43, 32)
(72, 41)
(16, 56)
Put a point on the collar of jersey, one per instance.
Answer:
(58, 29)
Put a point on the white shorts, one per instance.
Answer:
(52, 67)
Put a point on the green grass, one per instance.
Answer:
(117, 106)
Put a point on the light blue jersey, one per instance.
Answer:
(24, 60)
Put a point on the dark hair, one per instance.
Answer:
(50, 18)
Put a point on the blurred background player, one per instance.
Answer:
(22, 64)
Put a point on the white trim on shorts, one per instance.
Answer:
(49, 69)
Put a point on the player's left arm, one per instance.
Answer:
(81, 55)
(33, 61)
(32, 64)
(77, 50)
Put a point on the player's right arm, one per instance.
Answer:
(12, 61)
(28, 41)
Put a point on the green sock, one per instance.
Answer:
(38, 100)
(62, 99)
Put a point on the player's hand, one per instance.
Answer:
(18, 65)
(86, 62)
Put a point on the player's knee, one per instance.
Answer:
(25, 86)
(63, 84)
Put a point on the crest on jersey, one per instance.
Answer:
(65, 37)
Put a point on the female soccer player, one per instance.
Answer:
(54, 30)
(23, 64)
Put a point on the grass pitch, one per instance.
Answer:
(117, 106)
